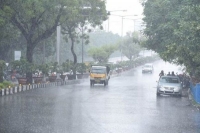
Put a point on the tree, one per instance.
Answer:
(101, 37)
(173, 31)
(2, 67)
(8, 35)
(102, 54)
(45, 49)
(91, 13)
(37, 20)
(130, 47)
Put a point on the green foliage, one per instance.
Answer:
(2, 64)
(1, 86)
(36, 20)
(5, 84)
(172, 28)
(8, 36)
(67, 66)
(83, 19)
(102, 54)
(22, 66)
(44, 68)
(137, 62)
(81, 67)
(2, 67)
(53, 66)
(76, 28)
(45, 49)
(100, 38)
(131, 45)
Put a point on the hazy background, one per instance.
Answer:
(132, 7)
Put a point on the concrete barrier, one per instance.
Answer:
(15, 89)
(11, 90)
(19, 88)
(2, 92)
(7, 91)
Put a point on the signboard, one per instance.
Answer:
(17, 55)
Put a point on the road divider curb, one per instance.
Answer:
(20, 88)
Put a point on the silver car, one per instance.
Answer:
(147, 68)
(169, 85)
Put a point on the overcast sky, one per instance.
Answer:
(132, 7)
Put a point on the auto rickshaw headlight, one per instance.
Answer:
(104, 76)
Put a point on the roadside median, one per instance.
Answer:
(17, 88)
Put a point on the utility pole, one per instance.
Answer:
(58, 44)
(123, 17)
(109, 13)
(82, 50)
(122, 37)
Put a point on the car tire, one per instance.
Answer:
(104, 83)
(180, 95)
(91, 84)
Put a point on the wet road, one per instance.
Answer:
(128, 105)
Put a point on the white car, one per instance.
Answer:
(147, 68)
(169, 85)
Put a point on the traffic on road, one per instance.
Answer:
(127, 104)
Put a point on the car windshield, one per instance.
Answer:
(169, 80)
(148, 66)
(98, 70)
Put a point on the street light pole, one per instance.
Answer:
(134, 20)
(44, 52)
(82, 42)
(6, 71)
(122, 37)
(109, 13)
(58, 44)
(108, 24)
(122, 16)
(82, 50)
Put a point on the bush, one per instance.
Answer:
(1, 86)
(81, 67)
(2, 67)
(6, 84)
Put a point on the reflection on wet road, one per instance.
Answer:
(127, 105)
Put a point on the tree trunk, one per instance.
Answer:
(74, 55)
(29, 57)
(1, 74)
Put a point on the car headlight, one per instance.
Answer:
(104, 76)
